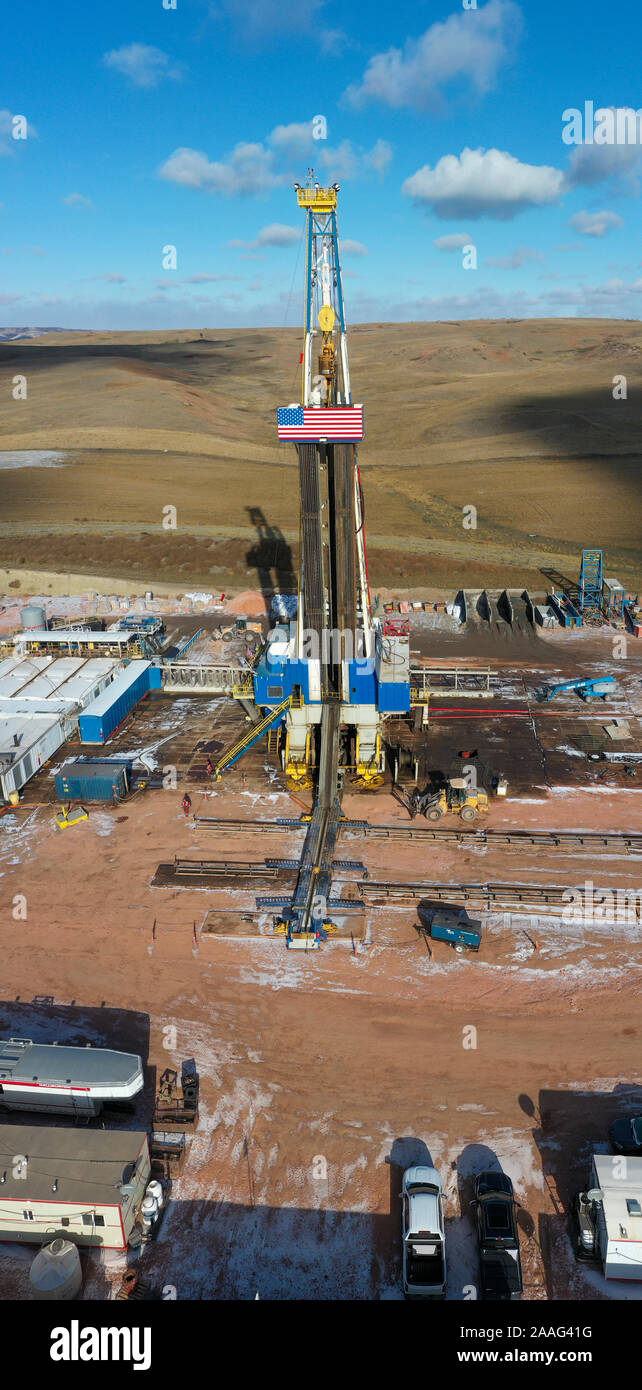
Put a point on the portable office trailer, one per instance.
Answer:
(86, 1186)
(109, 710)
(27, 741)
(93, 781)
(619, 1214)
(72, 680)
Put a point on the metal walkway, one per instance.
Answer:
(182, 678)
(587, 840)
(500, 896)
(309, 905)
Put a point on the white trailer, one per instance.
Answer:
(59, 1080)
(619, 1214)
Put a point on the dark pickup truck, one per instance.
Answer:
(499, 1258)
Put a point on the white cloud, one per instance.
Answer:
(202, 278)
(516, 260)
(255, 168)
(353, 248)
(591, 164)
(265, 19)
(347, 161)
(613, 299)
(276, 234)
(113, 277)
(250, 169)
(453, 242)
(379, 157)
(143, 64)
(333, 41)
(342, 162)
(472, 45)
(294, 140)
(77, 200)
(594, 223)
(483, 183)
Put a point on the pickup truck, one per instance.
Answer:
(499, 1258)
(424, 1242)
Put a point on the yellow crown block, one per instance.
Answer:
(321, 199)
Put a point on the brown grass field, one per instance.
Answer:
(515, 418)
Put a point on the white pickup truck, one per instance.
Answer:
(424, 1242)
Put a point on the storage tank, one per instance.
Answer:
(56, 1271)
(155, 1189)
(33, 617)
(149, 1212)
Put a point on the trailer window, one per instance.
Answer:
(27, 1215)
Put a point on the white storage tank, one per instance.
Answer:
(33, 617)
(149, 1211)
(56, 1272)
(155, 1189)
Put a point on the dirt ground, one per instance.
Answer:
(515, 419)
(323, 1075)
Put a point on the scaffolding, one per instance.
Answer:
(590, 595)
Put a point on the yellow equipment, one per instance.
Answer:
(321, 199)
(458, 796)
(369, 774)
(67, 817)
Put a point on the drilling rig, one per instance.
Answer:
(333, 675)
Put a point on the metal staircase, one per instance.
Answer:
(252, 736)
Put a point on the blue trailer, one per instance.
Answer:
(103, 715)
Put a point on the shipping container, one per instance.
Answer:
(108, 711)
(93, 781)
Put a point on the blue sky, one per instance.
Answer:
(150, 126)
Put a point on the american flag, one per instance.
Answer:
(310, 422)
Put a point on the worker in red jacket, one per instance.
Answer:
(209, 767)
(187, 803)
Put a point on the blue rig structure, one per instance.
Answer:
(594, 596)
(334, 652)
